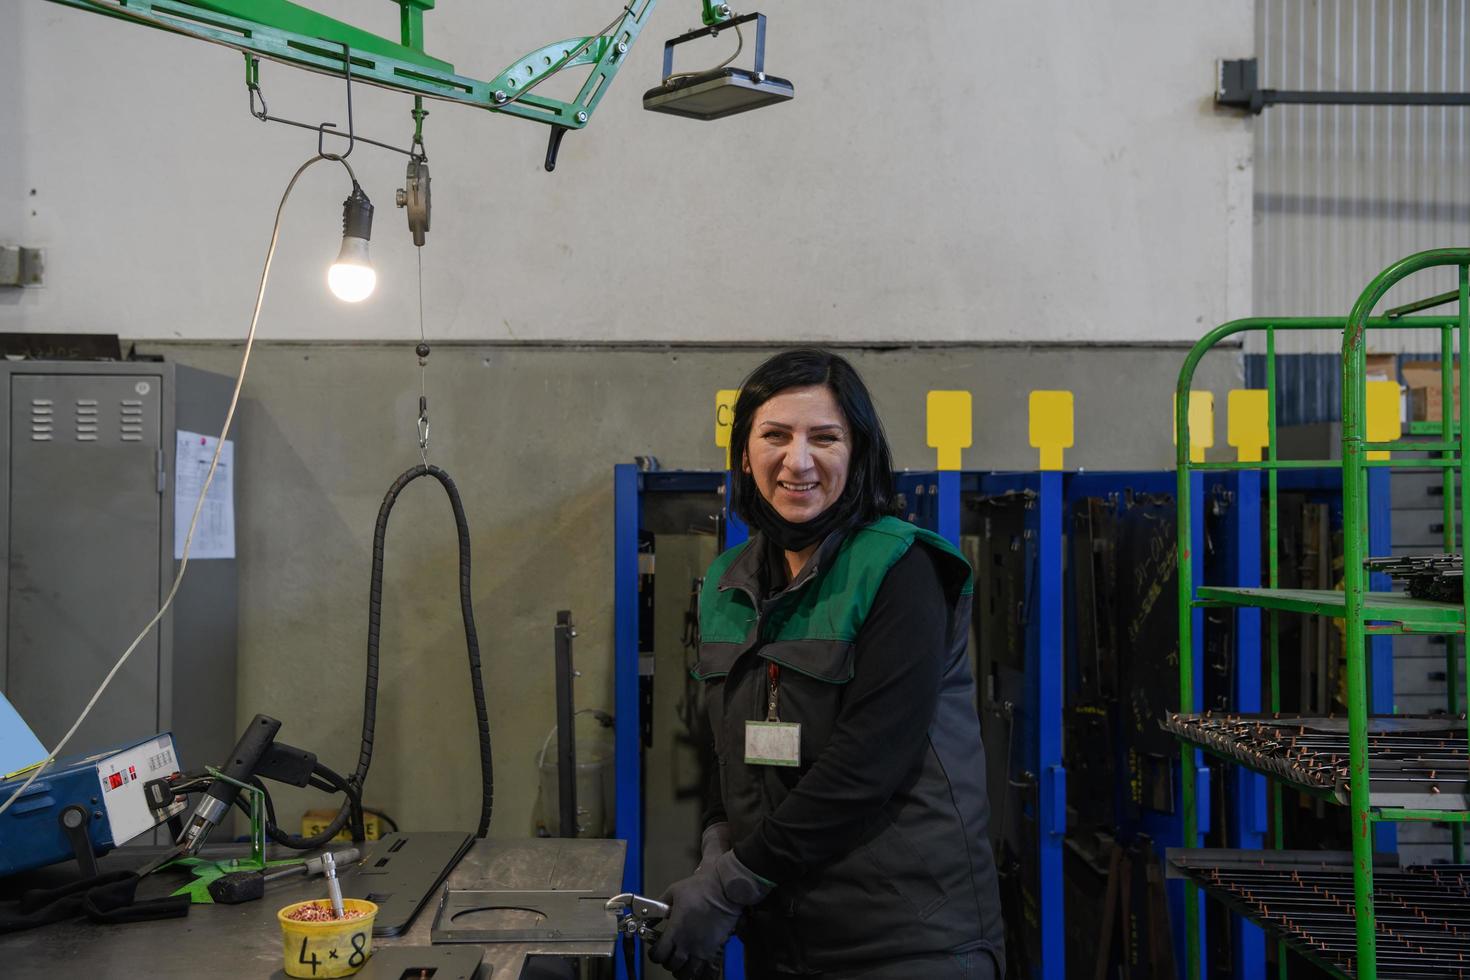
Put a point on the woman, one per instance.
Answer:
(848, 833)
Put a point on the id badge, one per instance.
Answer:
(772, 743)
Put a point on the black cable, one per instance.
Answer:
(323, 778)
(350, 815)
(392, 824)
(472, 643)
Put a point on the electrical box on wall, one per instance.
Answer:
(87, 533)
(21, 266)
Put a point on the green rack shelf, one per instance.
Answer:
(1413, 615)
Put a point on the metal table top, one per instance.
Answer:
(245, 940)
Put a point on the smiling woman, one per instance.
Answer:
(847, 837)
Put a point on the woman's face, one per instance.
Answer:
(799, 451)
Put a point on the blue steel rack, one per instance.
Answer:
(935, 500)
(630, 485)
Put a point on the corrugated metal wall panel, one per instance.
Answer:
(1342, 191)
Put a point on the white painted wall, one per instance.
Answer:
(949, 171)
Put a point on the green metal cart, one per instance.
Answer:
(1365, 614)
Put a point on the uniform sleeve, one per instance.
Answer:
(880, 733)
(714, 810)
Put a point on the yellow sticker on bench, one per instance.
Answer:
(948, 414)
(724, 419)
(1052, 426)
(1382, 416)
(1247, 423)
(1201, 423)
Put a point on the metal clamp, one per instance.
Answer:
(423, 429)
(637, 915)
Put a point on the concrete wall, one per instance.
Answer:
(949, 171)
(530, 434)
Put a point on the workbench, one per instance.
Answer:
(245, 940)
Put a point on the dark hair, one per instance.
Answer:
(868, 494)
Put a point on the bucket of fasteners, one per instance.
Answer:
(316, 944)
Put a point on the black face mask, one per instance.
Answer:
(789, 536)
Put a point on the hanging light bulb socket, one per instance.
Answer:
(351, 277)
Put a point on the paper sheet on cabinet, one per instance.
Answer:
(214, 537)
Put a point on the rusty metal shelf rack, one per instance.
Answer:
(1366, 615)
(1307, 900)
(1421, 769)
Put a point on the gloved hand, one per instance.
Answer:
(703, 911)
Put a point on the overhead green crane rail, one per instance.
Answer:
(296, 35)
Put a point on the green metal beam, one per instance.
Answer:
(1388, 607)
(298, 36)
(1405, 815)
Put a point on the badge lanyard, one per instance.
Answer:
(773, 675)
(773, 742)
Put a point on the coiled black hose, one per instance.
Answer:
(370, 695)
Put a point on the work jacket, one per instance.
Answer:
(922, 879)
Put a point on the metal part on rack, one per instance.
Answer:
(1417, 763)
(1440, 578)
(1306, 898)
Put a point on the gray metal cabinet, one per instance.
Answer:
(86, 536)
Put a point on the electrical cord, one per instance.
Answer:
(203, 491)
(739, 46)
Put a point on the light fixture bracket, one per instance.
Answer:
(722, 91)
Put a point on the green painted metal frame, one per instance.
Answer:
(1354, 350)
(1356, 604)
(291, 34)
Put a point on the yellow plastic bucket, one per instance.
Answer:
(333, 948)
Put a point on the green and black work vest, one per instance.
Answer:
(922, 879)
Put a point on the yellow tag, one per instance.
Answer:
(1201, 423)
(724, 419)
(949, 425)
(313, 822)
(1247, 423)
(1382, 420)
(1052, 426)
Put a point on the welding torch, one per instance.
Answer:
(217, 800)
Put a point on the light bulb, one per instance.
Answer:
(351, 277)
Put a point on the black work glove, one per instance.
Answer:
(703, 911)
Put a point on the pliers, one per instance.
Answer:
(637, 915)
